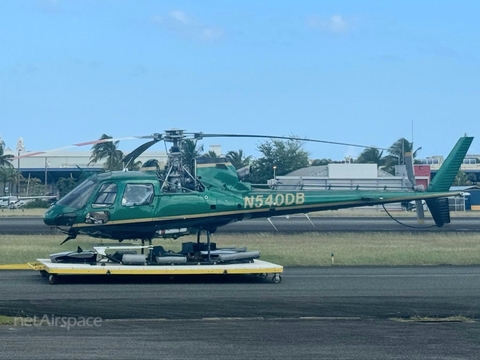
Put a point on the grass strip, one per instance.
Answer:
(7, 320)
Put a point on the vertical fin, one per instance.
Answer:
(449, 169)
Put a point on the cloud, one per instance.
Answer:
(389, 57)
(21, 68)
(335, 24)
(179, 16)
(183, 25)
(50, 6)
(139, 70)
(92, 64)
(439, 51)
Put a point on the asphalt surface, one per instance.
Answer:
(314, 313)
(290, 339)
(35, 225)
(334, 312)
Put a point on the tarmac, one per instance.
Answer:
(335, 313)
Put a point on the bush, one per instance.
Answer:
(37, 203)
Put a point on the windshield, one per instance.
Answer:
(78, 197)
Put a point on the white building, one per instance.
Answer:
(345, 176)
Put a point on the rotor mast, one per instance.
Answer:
(176, 173)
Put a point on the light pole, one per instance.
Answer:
(20, 148)
(18, 170)
(46, 166)
(274, 175)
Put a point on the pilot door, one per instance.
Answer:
(137, 202)
(114, 202)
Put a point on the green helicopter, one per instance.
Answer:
(171, 201)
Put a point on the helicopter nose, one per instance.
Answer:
(57, 216)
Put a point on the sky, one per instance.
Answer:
(359, 72)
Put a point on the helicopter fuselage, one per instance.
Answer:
(131, 205)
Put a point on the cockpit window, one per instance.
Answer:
(137, 194)
(106, 195)
(78, 197)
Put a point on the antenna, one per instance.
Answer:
(412, 134)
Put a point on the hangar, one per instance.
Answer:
(49, 168)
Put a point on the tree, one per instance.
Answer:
(5, 165)
(107, 150)
(65, 185)
(320, 162)
(211, 154)
(5, 158)
(190, 151)
(371, 155)
(134, 165)
(238, 159)
(461, 179)
(286, 156)
(9, 176)
(396, 154)
(399, 148)
(34, 187)
(472, 178)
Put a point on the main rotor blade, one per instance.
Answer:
(202, 135)
(138, 151)
(93, 142)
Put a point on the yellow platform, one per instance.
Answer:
(111, 268)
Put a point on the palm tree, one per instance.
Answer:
(238, 159)
(134, 165)
(5, 158)
(371, 155)
(5, 165)
(399, 148)
(211, 154)
(190, 151)
(8, 175)
(3, 178)
(107, 150)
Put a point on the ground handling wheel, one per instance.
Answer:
(276, 278)
(52, 279)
